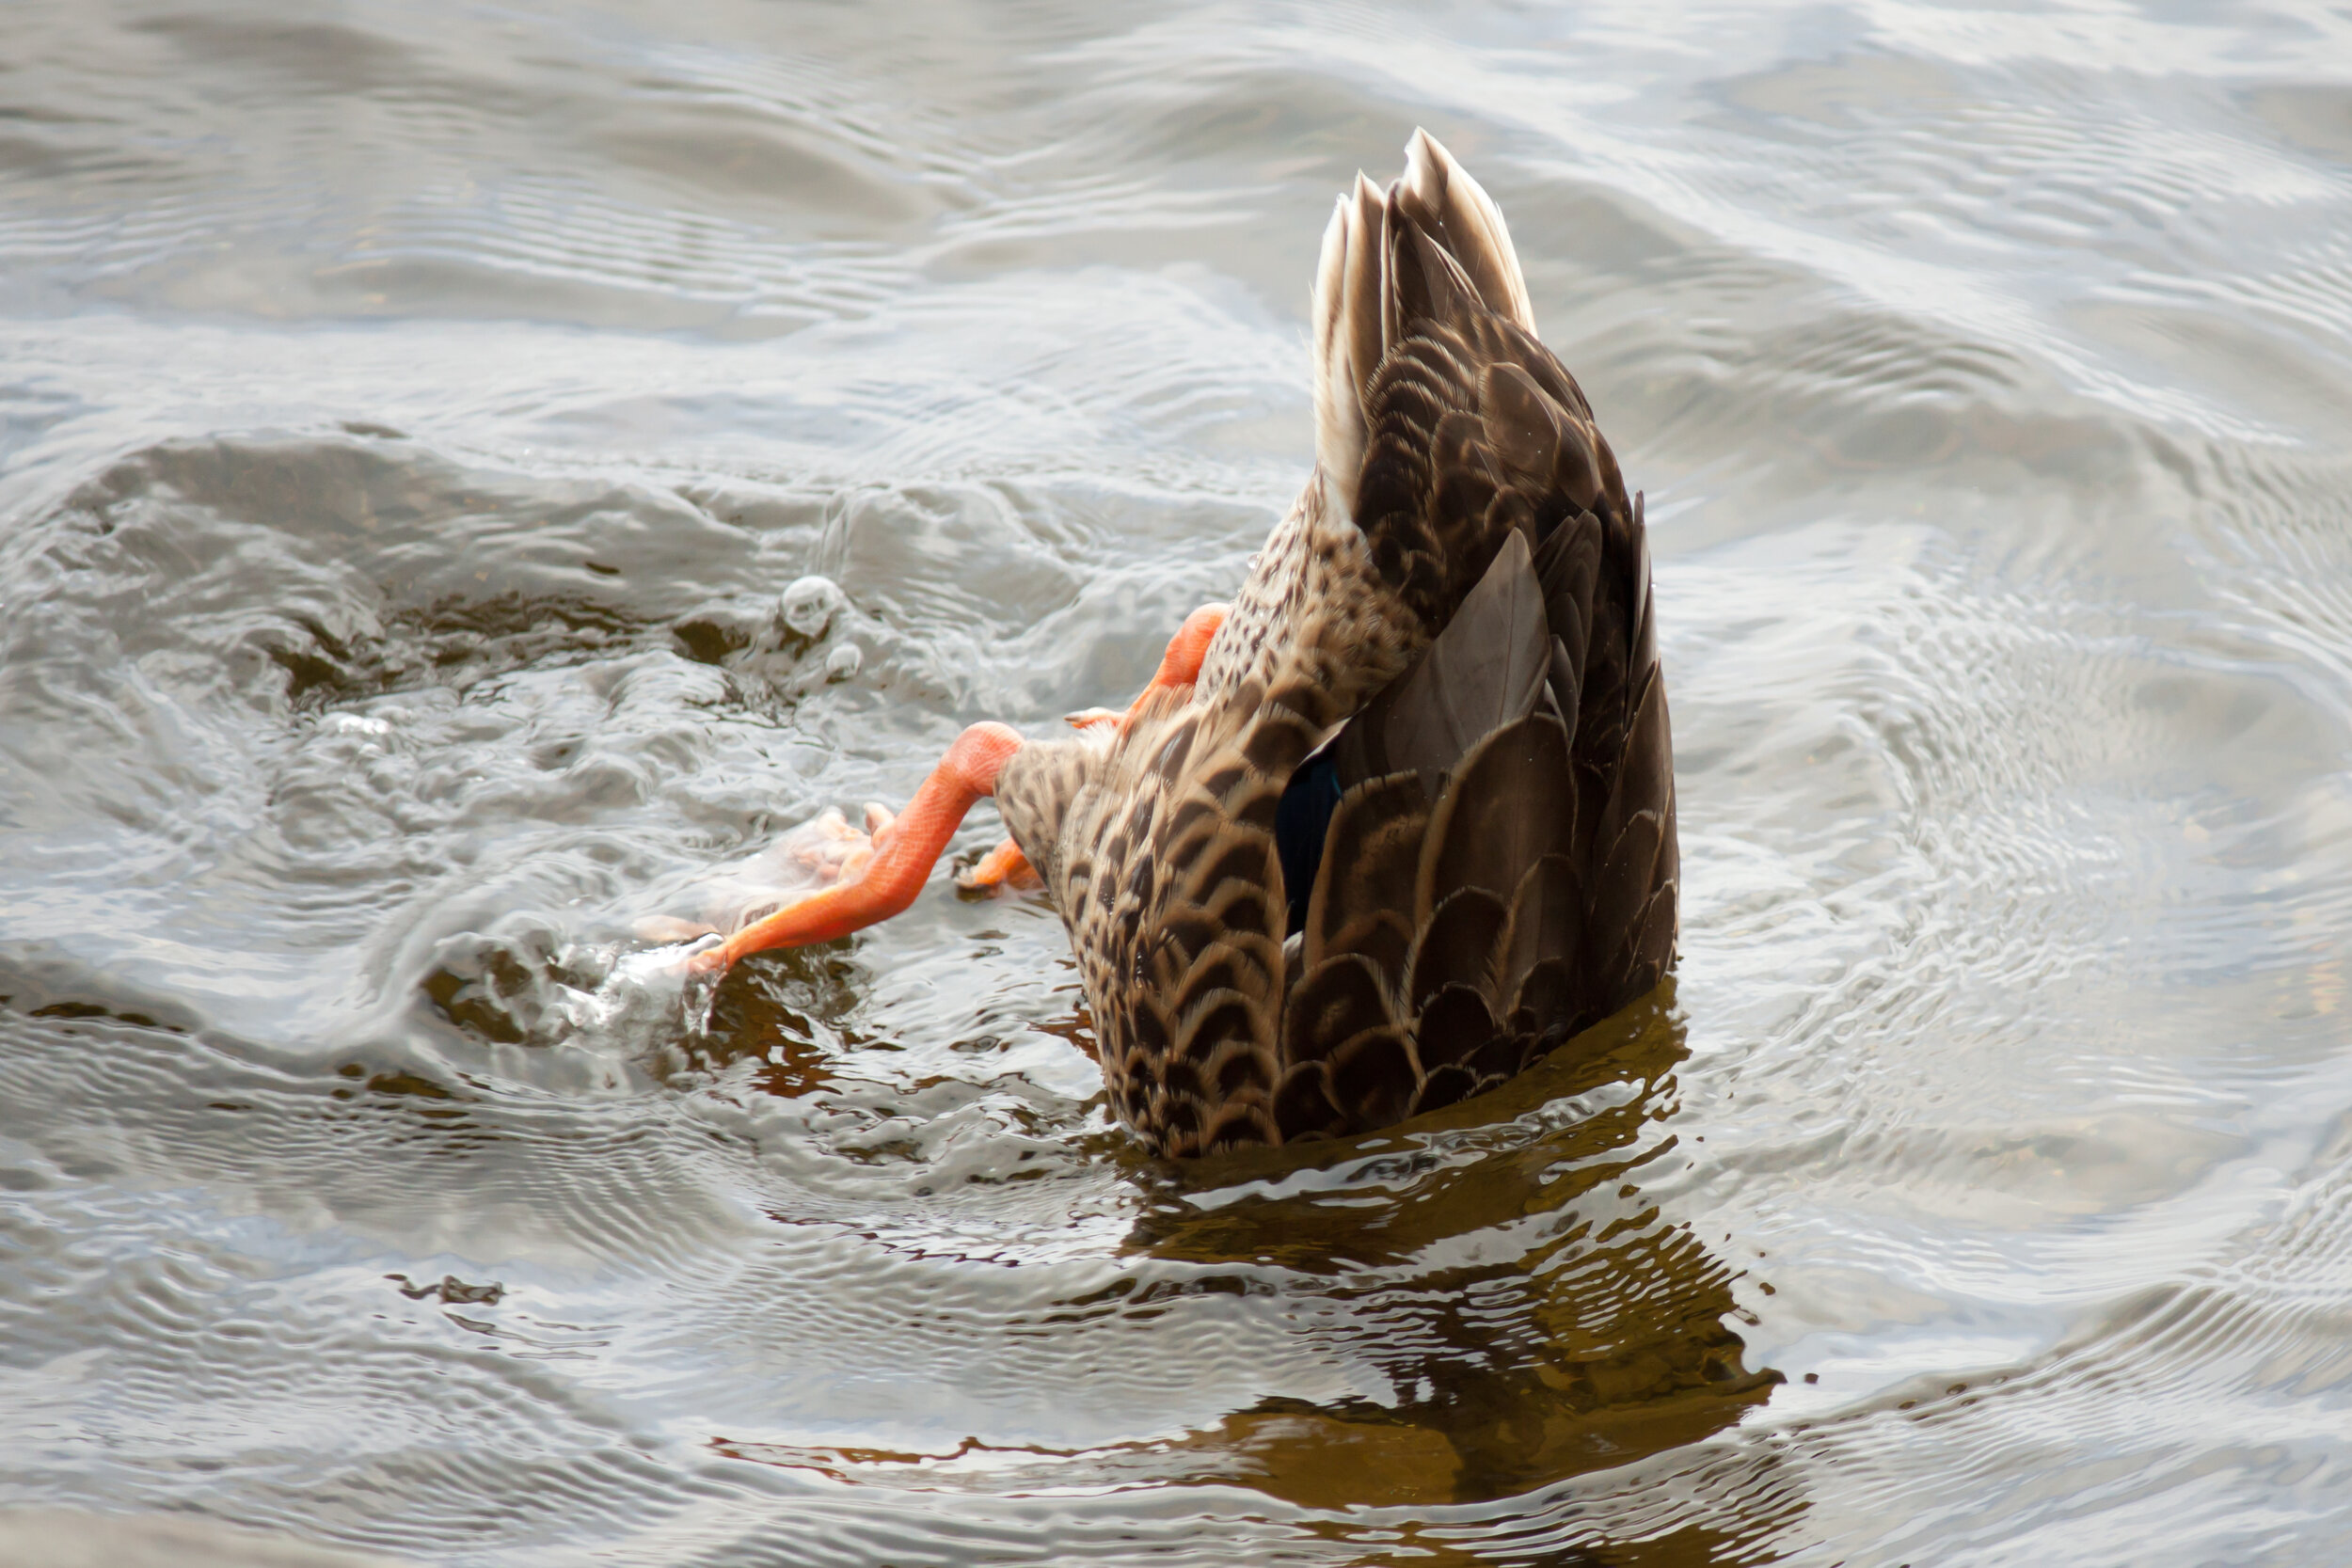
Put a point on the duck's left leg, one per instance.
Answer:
(1179, 666)
(871, 876)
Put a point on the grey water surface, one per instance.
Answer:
(414, 414)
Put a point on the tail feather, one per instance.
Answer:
(1349, 335)
(1391, 258)
(1459, 214)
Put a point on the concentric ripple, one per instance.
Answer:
(468, 477)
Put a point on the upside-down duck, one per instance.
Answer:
(1399, 819)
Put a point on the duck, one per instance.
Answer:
(1397, 821)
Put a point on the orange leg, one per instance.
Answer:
(876, 885)
(1179, 666)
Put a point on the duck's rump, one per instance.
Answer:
(1495, 869)
(1416, 826)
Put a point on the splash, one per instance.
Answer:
(645, 994)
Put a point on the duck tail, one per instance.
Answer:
(1430, 246)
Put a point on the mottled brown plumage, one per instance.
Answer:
(1449, 638)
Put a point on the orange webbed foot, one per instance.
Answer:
(839, 879)
(822, 854)
(1002, 867)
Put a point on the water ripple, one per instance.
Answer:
(417, 421)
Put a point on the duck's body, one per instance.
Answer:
(1435, 706)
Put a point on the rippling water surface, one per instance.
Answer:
(412, 417)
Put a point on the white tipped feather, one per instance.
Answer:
(1366, 281)
(1338, 407)
(1470, 224)
(1352, 286)
(1349, 281)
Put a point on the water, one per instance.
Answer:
(419, 425)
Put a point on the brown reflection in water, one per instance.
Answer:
(1590, 1335)
(788, 1011)
(1326, 1465)
(481, 986)
(1078, 1029)
(451, 643)
(412, 1111)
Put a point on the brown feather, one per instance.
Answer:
(1443, 1086)
(1546, 918)
(1507, 806)
(1372, 1078)
(1455, 1026)
(1484, 670)
(1372, 853)
(1338, 1000)
(1458, 945)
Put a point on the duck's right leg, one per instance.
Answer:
(1180, 665)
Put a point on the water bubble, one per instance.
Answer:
(843, 662)
(810, 603)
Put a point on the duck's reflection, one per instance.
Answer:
(1534, 1314)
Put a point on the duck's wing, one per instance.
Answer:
(1499, 865)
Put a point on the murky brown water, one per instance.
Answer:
(412, 416)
